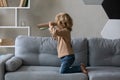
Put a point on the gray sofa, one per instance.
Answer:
(35, 58)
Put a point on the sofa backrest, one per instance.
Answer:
(104, 52)
(42, 51)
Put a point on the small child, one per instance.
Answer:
(61, 31)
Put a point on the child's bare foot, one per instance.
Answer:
(83, 68)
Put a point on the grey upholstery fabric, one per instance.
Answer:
(3, 59)
(104, 52)
(42, 73)
(13, 64)
(80, 47)
(104, 73)
(42, 51)
(39, 55)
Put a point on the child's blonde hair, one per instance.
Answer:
(65, 20)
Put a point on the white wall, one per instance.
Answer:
(111, 29)
(88, 19)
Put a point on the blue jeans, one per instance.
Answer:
(66, 63)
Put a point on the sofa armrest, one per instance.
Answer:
(3, 59)
(13, 64)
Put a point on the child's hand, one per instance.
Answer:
(52, 24)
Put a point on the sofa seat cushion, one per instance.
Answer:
(42, 73)
(104, 73)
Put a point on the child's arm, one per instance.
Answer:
(52, 29)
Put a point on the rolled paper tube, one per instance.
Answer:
(44, 28)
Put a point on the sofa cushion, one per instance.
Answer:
(104, 52)
(80, 47)
(42, 73)
(13, 64)
(3, 59)
(104, 73)
(43, 50)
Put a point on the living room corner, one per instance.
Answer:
(31, 53)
